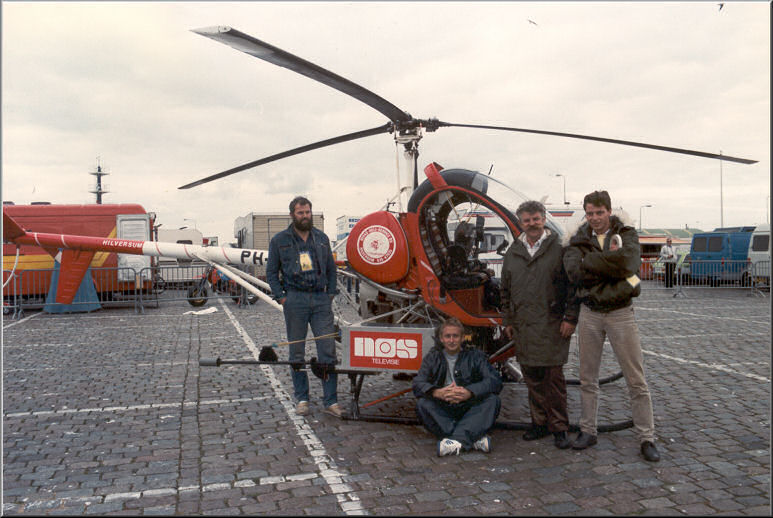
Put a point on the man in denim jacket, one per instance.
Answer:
(302, 274)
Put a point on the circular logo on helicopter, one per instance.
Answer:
(376, 245)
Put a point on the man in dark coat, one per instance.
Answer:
(602, 261)
(540, 316)
(457, 392)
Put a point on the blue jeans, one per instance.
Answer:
(302, 309)
(465, 422)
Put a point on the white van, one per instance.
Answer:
(759, 255)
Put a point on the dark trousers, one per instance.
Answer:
(547, 397)
(669, 274)
(464, 422)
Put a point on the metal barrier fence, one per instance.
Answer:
(115, 287)
(28, 289)
(193, 283)
(10, 294)
(760, 275)
(754, 277)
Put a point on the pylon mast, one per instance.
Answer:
(98, 190)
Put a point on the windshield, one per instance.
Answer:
(511, 199)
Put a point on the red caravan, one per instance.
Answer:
(78, 252)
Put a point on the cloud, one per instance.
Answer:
(163, 106)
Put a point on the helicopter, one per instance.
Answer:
(414, 269)
(414, 266)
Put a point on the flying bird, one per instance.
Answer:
(532, 22)
(721, 6)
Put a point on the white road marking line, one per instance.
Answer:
(20, 321)
(30, 505)
(157, 364)
(713, 366)
(703, 316)
(133, 407)
(702, 335)
(347, 498)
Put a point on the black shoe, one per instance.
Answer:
(536, 432)
(649, 451)
(561, 440)
(583, 440)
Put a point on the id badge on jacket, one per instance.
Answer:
(305, 260)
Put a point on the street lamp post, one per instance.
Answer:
(564, 178)
(721, 201)
(640, 208)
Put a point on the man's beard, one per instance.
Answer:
(303, 225)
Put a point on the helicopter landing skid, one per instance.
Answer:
(357, 378)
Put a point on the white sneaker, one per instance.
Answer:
(483, 444)
(334, 410)
(302, 408)
(448, 447)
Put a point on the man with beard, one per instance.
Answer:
(302, 274)
(540, 316)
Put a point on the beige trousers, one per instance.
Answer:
(623, 333)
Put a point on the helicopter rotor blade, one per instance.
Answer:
(267, 52)
(386, 128)
(727, 158)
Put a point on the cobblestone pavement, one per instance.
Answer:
(110, 413)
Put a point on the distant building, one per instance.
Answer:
(344, 225)
(674, 233)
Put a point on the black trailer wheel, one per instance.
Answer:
(197, 296)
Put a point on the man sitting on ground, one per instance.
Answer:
(457, 392)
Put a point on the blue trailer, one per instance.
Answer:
(721, 255)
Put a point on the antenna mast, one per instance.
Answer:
(98, 190)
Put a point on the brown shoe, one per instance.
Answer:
(334, 410)
(302, 408)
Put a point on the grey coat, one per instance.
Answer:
(537, 297)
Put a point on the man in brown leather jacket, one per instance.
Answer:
(602, 261)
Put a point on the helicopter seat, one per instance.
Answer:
(458, 275)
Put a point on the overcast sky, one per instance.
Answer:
(162, 106)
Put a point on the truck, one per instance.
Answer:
(721, 256)
(759, 255)
(177, 272)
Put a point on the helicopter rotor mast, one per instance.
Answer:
(407, 130)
